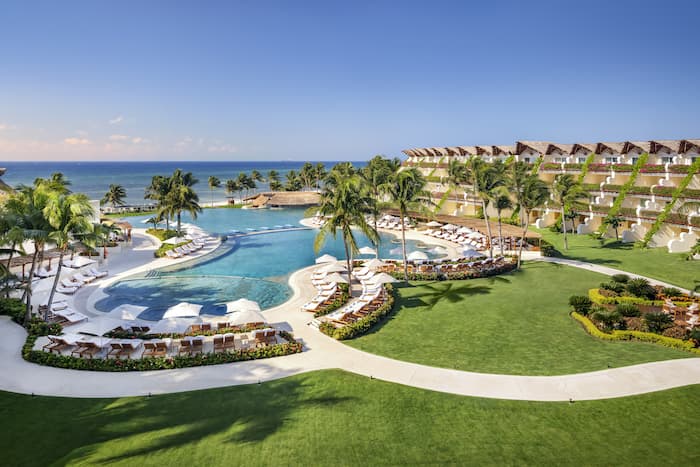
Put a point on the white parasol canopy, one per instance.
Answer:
(449, 227)
(242, 304)
(383, 278)
(126, 311)
(326, 259)
(99, 326)
(438, 250)
(366, 250)
(434, 224)
(417, 255)
(245, 317)
(175, 240)
(471, 253)
(335, 277)
(464, 230)
(173, 325)
(183, 310)
(333, 267)
(374, 263)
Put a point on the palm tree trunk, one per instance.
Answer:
(179, 221)
(500, 233)
(347, 263)
(55, 282)
(563, 226)
(9, 260)
(403, 248)
(522, 239)
(488, 228)
(212, 197)
(28, 290)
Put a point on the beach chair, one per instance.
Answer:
(206, 327)
(270, 337)
(128, 348)
(229, 342)
(97, 274)
(185, 347)
(196, 346)
(149, 350)
(115, 350)
(219, 344)
(89, 349)
(86, 279)
(221, 325)
(260, 339)
(56, 344)
(171, 254)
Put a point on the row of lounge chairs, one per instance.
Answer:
(184, 250)
(327, 292)
(70, 285)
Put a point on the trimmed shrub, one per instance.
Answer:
(14, 308)
(628, 310)
(671, 292)
(547, 249)
(609, 319)
(657, 322)
(620, 278)
(616, 287)
(580, 304)
(363, 325)
(639, 287)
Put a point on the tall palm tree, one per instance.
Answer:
(375, 176)
(182, 196)
(294, 182)
(488, 179)
(319, 173)
(518, 173)
(13, 235)
(273, 178)
(345, 207)
(158, 191)
(233, 186)
(566, 191)
(534, 194)
(406, 190)
(114, 196)
(256, 176)
(307, 175)
(243, 182)
(214, 182)
(501, 202)
(614, 222)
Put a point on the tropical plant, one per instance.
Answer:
(657, 321)
(68, 215)
(345, 206)
(182, 196)
(488, 178)
(114, 196)
(320, 173)
(614, 222)
(294, 182)
(609, 319)
(307, 174)
(256, 177)
(214, 183)
(534, 194)
(640, 287)
(581, 304)
(375, 176)
(406, 189)
(566, 190)
(273, 178)
(694, 251)
(233, 186)
(517, 174)
(158, 191)
(501, 202)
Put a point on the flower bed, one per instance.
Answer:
(337, 303)
(474, 273)
(550, 166)
(361, 326)
(573, 167)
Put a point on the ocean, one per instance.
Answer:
(94, 178)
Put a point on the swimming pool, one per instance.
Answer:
(256, 267)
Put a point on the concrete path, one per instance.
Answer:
(322, 352)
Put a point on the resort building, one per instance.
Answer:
(652, 186)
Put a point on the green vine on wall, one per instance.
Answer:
(677, 193)
(584, 168)
(617, 204)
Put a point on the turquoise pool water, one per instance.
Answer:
(255, 267)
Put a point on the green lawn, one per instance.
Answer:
(517, 323)
(652, 262)
(336, 418)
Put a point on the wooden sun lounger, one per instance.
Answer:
(219, 344)
(56, 344)
(154, 349)
(196, 346)
(87, 348)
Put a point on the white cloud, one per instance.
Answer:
(118, 137)
(116, 120)
(138, 140)
(6, 126)
(76, 141)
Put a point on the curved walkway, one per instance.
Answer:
(322, 352)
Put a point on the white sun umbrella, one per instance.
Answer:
(366, 250)
(464, 230)
(333, 267)
(173, 325)
(434, 224)
(438, 250)
(383, 278)
(245, 317)
(449, 227)
(81, 261)
(242, 304)
(471, 253)
(374, 263)
(98, 326)
(175, 240)
(417, 255)
(336, 277)
(183, 310)
(475, 235)
(326, 259)
(395, 251)
(126, 311)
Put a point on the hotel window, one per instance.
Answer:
(559, 160)
(581, 160)
(526, 159)
(611, 160)
(634, 160)
(666, 159)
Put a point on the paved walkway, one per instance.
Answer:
(322, 352)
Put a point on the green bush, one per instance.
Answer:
(162, 234)
(671, 292)
(337, 303)
(616, 287)
(547, 249)
(620, 278)
(609, 319)
(657, 322)
(14, 308)
(161, 251)
(628, 310)
(580, 304)
(640, 287)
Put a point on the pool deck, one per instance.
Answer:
(320, 352)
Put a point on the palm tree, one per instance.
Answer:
(307, 175)
(319, 173)
(214, 182)
(694, 250)
(13, 235)
(114, 196)
(243, 182)
(182, 196)
(68, 215)
(406, 190)
(518, 174)
(501, 201)
(566, 190)
(534, 194)
(233, 186)
(294, 182)
(345, 207)
(256, 176)
(273, 178)
(488, 178)
(158, 191)
(375, 176)
(615, 222)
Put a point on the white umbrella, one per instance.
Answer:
(326, 259)
(245, 317)
(335, 277)
(475, 235)
(438, 250)
(471, 253)
(81, 261)
(464, 230)
(366, 250)
(383, 278)
(417, 255)
(374, 263)
(175, 240)
(449, 227)
(98, 326)
(434, 224)
(395, 251)
(242, 304)
(183, 310)
(173, 325)
(333, 267)
(126, 311)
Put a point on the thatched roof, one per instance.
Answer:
(669, 145)
(467, 150)
(688, 145)
(615, 148)
(643, 146)
(537, 146)
(286, 199)
(481, 150)
(505, 150)
(586, 147)
(561, 148)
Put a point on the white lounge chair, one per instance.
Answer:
(84, 278)
(97, 274)
(66, 290)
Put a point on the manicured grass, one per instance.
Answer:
(656, 263)
(336, 418)
(516, 323)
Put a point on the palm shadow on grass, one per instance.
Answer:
(252, 419)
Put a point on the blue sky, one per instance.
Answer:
(338, 80)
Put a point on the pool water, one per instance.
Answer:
(256, 267)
